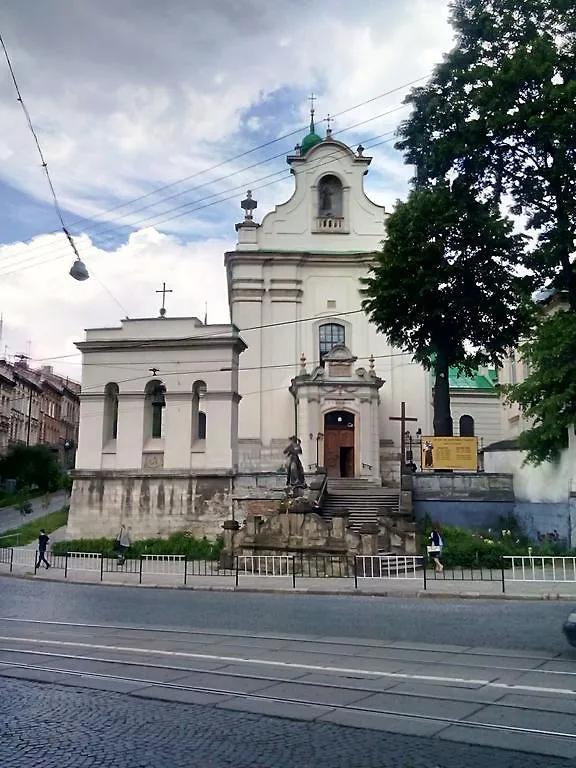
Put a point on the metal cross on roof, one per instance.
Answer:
(164, 291)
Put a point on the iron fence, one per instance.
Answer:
(550, 568)
(292, 567)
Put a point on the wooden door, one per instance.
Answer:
(339, 462)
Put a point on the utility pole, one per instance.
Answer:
(29, 418)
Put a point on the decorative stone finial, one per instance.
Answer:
(248, 205)
(371, 361)
(302, 364)
(329, 128)
(360, 150)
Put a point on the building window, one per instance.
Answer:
(201, 425)
(111, 392)
(330, 197)
(466, 426)
(198, 416)
(154, 405)
(329, 336)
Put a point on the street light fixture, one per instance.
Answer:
(78, 270)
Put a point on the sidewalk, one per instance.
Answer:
(376, 587)
(10, 517)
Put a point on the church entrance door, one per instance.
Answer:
(339, 458)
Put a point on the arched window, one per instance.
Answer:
(110, 431)
(329, 335)
(466, 426)
(153, 407)
(330, 197)
(201, 425)
(198, 416)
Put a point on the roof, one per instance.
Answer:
(459, 380)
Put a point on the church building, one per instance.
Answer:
(164, 449)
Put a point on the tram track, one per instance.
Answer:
(262, 697)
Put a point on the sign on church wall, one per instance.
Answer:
(450, 453)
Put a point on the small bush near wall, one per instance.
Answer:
(177, 544)
(467, 549)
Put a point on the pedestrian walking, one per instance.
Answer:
(435, 549)
(123, 544)
(43, 540)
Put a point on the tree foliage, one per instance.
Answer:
(443, 287)
(499, 114)
(548, 394)
(34, 466)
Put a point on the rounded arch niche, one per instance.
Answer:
(330, 197)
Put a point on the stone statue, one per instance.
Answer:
(294, 469)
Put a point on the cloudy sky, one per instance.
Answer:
(148, 113)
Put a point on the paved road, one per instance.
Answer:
(514, 625)
(12, 518)
(141, 698)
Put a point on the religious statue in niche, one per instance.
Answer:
(294, 469)
(330, 197)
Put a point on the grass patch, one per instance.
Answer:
(177, 544)
(29, 532)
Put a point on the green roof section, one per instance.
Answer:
(459, 380)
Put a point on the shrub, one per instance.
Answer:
(176, 544)
(485, 549)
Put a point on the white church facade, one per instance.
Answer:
(161, 451)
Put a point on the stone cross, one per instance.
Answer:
(164, 291)
(402, 419)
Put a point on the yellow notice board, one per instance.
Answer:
(450, 453)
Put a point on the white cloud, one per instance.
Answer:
(130, 96)
(45, 306)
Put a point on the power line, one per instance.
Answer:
(285, 175)
(98, 231)
(249, 151)
(44, 164)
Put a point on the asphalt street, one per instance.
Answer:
(515, 625)
(141, 678)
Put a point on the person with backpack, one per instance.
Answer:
(43, 540)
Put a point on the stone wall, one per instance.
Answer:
(465, 499)
(149, 504)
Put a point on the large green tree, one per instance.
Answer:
(499, 114)
(444, 286)
(34, 466)
(548, 395)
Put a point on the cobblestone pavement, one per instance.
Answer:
(47, 726)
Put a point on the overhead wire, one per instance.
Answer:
(44, 164)
(248, 152)
(43, 249)
(254, 185)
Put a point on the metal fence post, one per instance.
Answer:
(66, 565)
(12, 559)
(140, 571)
(355, 571)
(293, 572)
(185, 570)
(236, 568)
(503, 576)
(424, 569)
(101, 567)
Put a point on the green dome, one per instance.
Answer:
(309, 141)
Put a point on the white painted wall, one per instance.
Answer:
(485, 409)
(545, 483)
(185, 351)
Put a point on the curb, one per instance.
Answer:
(402, 594)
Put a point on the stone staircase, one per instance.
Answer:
(365, 499)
